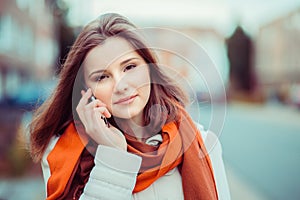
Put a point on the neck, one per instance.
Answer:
(134, 126)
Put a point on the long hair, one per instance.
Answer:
(54, 115)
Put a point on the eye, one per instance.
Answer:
(100, 77)
(129, 67)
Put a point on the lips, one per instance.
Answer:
(126, 100)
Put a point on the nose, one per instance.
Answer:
(121, 84)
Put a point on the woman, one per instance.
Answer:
(126, 134)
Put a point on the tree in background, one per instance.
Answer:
(239, 49)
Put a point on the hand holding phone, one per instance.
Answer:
(90, 110)
(93, 98)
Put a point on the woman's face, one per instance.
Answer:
(119, 77)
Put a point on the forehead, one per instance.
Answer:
(111, 51)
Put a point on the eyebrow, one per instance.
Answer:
(122, 63)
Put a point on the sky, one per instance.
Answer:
(222, 15)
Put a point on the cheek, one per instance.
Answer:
(143, 84)
(104, 94)
(145, 93)
(141, 79)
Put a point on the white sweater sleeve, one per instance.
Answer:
(113, 176)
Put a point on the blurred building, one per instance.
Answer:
(28, 44)
(28, 49)
(277, 55)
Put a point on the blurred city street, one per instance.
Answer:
(261, 152)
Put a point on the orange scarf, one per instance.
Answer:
(182, 146)
(62, 161)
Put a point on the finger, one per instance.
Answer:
(81, 108)
(94, 104)
(99, 103)
(85, 97)
(104, 111)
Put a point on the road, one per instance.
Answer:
(261, 147)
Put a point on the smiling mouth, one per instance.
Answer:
(126, 100)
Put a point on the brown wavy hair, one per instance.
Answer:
(54, 115)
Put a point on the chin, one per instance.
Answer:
(127, 115)
(124, 116)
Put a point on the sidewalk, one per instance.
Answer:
(261, 145)
(239, 189)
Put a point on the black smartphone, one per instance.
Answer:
(92, 98)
